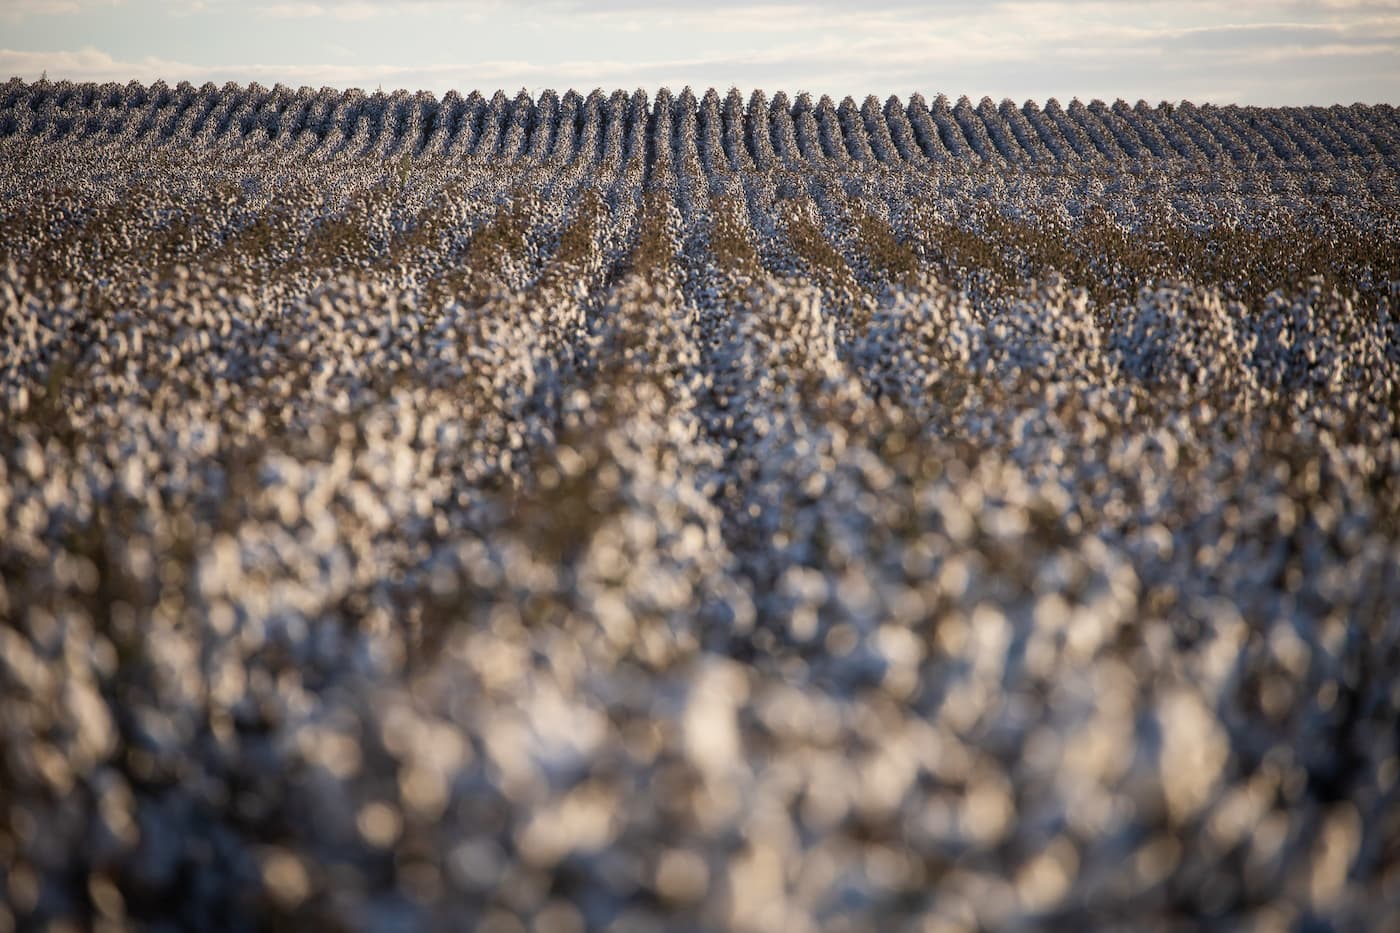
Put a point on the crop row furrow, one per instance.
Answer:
(601, 128)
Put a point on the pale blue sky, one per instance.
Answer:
(1242, 51)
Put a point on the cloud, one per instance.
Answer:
(16, 11)
(834, 71)
(290, 10)
(91, 64)
(1245, 51)
(344, 11)
(60, 7)
(18, 8)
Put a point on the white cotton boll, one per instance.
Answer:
(1193, 755)
(1336, 848)
(583, 820)
(31, 459)
(95, 731)
(711, 734)
(219, 568)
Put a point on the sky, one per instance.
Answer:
(1222, 51)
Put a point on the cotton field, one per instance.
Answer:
(702, 512)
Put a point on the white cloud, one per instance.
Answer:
(18, 8)
(343, 11)
(16, 11)
(290, 10)
(1244, 50)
